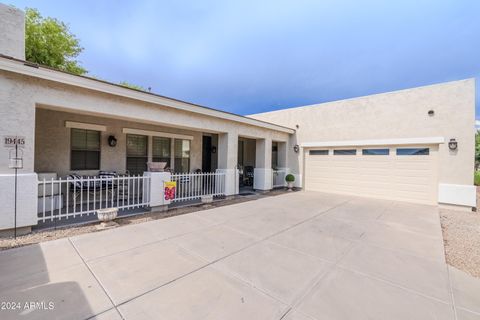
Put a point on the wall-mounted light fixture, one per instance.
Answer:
(452, 144)
(112, 141)
(214, 149)
(296, 148)
(431, 113)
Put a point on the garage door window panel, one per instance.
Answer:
(375, 152)
(345, 152)
(413, 151)
(318, 152)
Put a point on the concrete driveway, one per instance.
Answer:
(298, 256)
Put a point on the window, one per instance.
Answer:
(182, 155)
(413, 152)
(345, 152)
(376, 152)
(137, 153)
(318, 152)
(161, 148)
(85, 149)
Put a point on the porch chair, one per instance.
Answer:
(248, 176)
(79, 184)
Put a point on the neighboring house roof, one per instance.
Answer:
(43, 72)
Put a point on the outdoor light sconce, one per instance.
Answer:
(112, 141)
(296, 148)
(431, 113)
(453, 144)
(214, 149)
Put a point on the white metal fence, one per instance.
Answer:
(278, 178)
(195, 185)
(59, 199)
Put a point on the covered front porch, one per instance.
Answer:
(87, 162)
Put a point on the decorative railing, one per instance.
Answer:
(72, 197)
(278, 178)
(192, 186)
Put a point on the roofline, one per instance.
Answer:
(23, 67)
(436, 84)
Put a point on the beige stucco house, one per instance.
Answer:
(413, 145)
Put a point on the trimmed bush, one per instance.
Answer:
(477, 178)
(290, 178)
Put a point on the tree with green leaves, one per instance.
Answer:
(132, 86)
(49, 42)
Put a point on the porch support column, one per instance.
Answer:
(279, 177)
(227, 161)
(17, 119)
(262, 179)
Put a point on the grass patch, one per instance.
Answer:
(477, 178)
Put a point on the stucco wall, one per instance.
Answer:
(52, 142)
(399, 114)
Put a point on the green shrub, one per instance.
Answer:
(290, 178)
(477, 178)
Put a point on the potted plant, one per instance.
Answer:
(290, 179)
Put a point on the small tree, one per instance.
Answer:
(48, 41)
(132, 86)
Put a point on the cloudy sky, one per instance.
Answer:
(254, 56)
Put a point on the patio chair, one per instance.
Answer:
(248, 176)
(79, 184)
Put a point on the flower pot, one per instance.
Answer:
(106, 216)
(290, 185)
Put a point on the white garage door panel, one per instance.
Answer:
(404, 178)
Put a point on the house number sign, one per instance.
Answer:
(12, 141)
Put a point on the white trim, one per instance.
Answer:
(157, 134)
(87, 126)
(96, 85)
(458, 194)
(376, 142)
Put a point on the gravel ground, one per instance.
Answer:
(461, 237)
(47, 235)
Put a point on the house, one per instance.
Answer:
(414, 145)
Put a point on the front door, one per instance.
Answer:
(207, 154)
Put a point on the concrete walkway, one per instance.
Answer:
(298, 256)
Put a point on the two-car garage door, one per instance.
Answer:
(387, 172)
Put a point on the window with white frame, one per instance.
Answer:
(161, 150)
(182, 155)
(137, 153)
(85, 149)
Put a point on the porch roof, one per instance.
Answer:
(46, 73)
